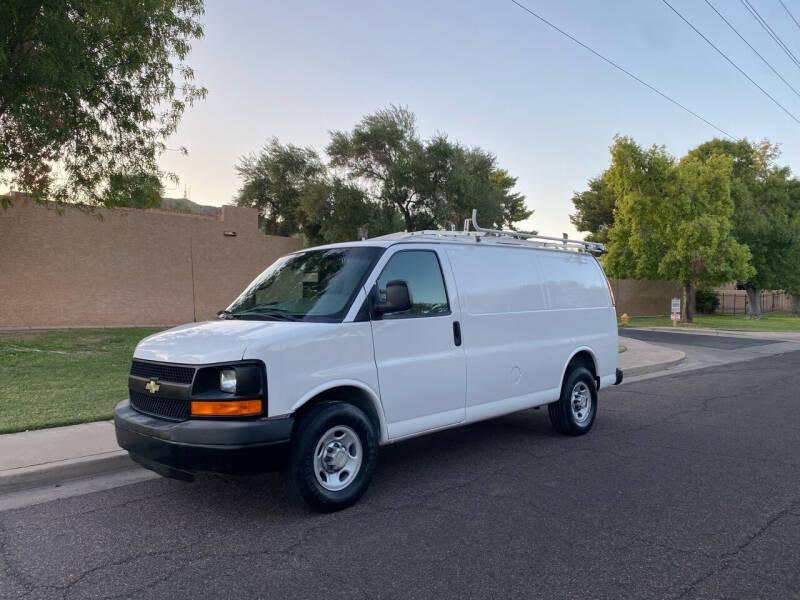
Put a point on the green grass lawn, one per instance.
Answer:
(53, 378)
(781, 321)
(622, 348)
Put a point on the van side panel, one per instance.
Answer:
(525, 312)
(579, 303)
(506, 330)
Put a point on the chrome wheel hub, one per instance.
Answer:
(337, 458)
(581, 403)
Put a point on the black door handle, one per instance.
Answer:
(457, 333)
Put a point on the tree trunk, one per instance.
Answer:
(407, 217)
(795, 305)
(753, 302)
(687, 304)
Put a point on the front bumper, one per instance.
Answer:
(180, 450)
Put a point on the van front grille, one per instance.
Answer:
(168, 408)
(162, 372)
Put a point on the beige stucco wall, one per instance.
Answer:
(126, 267)
(640, 298)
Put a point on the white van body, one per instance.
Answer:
(333, 351)
(525, 312)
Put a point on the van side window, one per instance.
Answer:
(422, 273)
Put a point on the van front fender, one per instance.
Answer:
(368, 392)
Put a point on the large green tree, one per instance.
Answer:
(381, 176)
(296, 194)
(274, 182)
(89, 90)
(673, 220)
(765, 213)
(433, 183)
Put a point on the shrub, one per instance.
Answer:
(706, 302)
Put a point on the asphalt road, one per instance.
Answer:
(686, 488)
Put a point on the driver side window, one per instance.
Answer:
(421, 271)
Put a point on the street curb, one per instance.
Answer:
(656, 367)
(61, 471)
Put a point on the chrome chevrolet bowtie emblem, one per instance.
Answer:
(152, 386)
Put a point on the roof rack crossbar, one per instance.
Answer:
(582, 245)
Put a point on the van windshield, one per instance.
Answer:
(317, 285)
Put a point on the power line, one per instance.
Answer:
(765, 26)
(725, 56)
(619, 68)
(788, 12)
(764, 60)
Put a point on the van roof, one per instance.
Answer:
(456, 237)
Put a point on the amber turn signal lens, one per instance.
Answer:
(227, 408)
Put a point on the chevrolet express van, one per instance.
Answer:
(336, 350)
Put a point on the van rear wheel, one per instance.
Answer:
(575, 410)
(333, 457)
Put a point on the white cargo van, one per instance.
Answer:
(336, 350)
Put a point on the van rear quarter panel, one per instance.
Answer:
(525, 312)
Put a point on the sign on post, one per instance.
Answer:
(675, 311)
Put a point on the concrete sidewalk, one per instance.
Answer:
(51, 457)
(643, 358)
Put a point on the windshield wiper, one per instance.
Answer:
(276, 313)
(225, 314)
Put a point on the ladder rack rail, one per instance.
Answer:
(548, 241)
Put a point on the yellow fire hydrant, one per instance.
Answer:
(624, 319)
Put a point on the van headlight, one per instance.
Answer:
(227, 381)
(232, 381)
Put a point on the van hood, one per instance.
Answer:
(210, 341)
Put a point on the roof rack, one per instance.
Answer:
(541, 240)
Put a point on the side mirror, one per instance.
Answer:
(398, 298)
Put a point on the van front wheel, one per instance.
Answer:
(333, 457)
(574, 412)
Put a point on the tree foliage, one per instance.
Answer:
(594, 209)
(431, 182)
(673, 220)
(381, 175)
(295, 193)
(89, 91)
(134, 190)
(765, 213)
(275, 180)
(691, 219)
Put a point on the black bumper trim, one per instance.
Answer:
(619, 377)
(180, 450)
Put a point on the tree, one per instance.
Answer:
(764, 213)
(274, 182)
(594, 210)
(295, 194)
(791, 283)
(88, 92)
(382, 176)
(334, 210)
(673, 220)
(385, 152)
(432, 183)
(135, 190)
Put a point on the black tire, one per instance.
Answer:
(302, 482)
(562, 416)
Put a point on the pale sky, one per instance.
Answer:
(487, 74)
